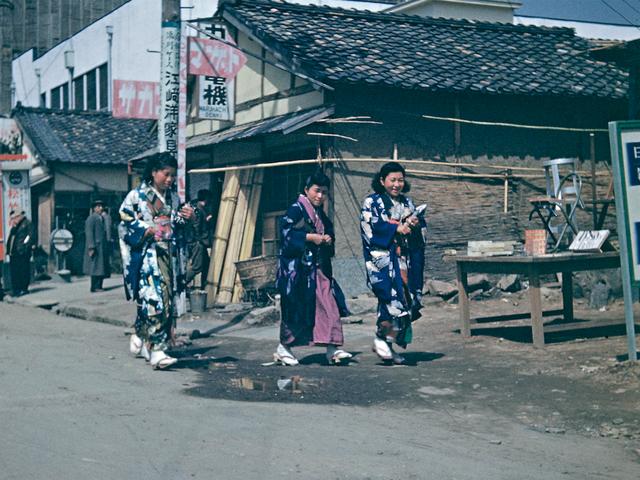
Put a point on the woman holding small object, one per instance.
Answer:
(154, 258)
(312, 302)
(393, 234)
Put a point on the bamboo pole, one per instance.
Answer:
(228, 277)
(375, 160)
(249, 228)
(226, 210)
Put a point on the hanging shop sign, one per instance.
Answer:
(214, 58)
(216, 98)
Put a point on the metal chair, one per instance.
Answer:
(561, 202)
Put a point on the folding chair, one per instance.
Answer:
(561, 202)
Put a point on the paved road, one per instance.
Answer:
(74, 405)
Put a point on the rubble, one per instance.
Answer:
(441, 289)
(509, 283)
(263, 316)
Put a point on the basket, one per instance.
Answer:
(258, 273)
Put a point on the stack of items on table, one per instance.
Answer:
(490, 248)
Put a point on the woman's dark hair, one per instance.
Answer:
(387, 168)
(317, 178)
(157, 162)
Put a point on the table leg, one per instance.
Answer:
(537, 327)
(567, 296)
(463, 301)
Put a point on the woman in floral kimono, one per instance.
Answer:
(153, 256)
(393, 240)
(312, 302)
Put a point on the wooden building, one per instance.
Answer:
(356, 88)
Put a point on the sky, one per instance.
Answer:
(620, 12)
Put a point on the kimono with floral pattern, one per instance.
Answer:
(153, 266)
(394, 264)
(299, 262)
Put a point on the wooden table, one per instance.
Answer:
(533, 268)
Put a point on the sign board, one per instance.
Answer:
(214, 58)
(216, 98)
(589, 241)
(16, 195)
(62, 240)
(136, 99)
(624, 138)
(626, 160)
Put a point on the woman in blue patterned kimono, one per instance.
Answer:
(393, 240)
(312, 302)
(153, 256)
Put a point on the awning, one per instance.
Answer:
(285, 124)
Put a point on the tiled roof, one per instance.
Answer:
(84, 137)
(348, 46)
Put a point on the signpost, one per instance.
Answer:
(624, 139)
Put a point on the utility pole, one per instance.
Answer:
(172, 121)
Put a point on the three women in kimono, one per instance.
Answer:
(393, 239)
(154, 258)
(312, 302)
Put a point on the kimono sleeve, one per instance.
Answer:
(376, 229)
(293, 237)
(133, 227)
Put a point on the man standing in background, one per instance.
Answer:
(95, 256)
(19, 247)
(200, 239)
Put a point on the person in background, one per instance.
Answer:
(20, 244)
(312, 302)
(95, 249)
(199, 239)
(153, 250)
(393, 240)
(108, 229)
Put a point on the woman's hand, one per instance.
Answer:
(149, 232)
(413, 221)
(403, 229)
(315, 238)
(186, 212)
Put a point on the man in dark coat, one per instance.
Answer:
(19, 247)
(199, 240)
(95, 250)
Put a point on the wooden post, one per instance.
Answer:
(226, 210)
(567, 296)
(537, 327)
(228, 277)
(506, 193)
(249, 228)
(594, 186)
(463, 301)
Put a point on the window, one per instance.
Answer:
(91, 90)
(78, 93)
(43, 99)
(65, 97)
(55, 97)
(103, 77)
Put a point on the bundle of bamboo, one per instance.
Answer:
(228, 277)
(249, 228)
(226, 211)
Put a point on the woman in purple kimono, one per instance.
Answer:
(312, 302)
(393, 240)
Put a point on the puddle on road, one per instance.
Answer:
(294, 385)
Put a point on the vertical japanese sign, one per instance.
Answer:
(16, 196)
(624, 138)
(182, 117)
(169, 88)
